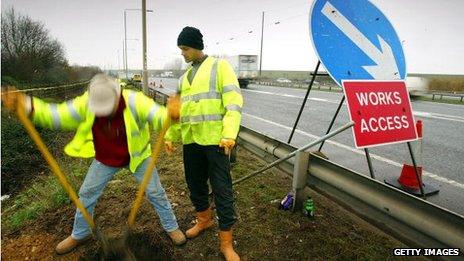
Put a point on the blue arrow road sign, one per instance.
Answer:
(354, 40)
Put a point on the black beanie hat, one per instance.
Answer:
(191, 37)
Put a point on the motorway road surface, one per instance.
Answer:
(273, 110)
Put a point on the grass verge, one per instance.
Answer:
(44, 194)
(445, 100)
(263, 232)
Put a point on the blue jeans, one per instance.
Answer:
(94, 183)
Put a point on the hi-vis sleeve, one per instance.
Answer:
(147, 110)
(231, 98)
(60, 116)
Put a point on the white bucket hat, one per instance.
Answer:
(104, 92)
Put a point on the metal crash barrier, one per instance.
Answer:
(406, 217)
(410, 219)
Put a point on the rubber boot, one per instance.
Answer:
(204, 221)
(69, 244)
(227, 247)
(177, 237)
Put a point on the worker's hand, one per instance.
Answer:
(169, 147)
(174, 107)
(15, 100)
(227, 144)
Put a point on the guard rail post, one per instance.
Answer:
(300, 172)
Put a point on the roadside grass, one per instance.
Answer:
(444, 100)
(440, 83)
(47, 193)
(324, 88)
(328, 89)
(262, 230)
(265, 231)
(336, 89)
(450, 84)
(44, 194)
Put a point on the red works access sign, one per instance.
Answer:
(381, 111)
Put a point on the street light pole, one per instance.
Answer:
(119, 63)
(123, 56)
(261, 52)
(125, 43)
(144, 33)
(144, 47)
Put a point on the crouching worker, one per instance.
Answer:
(112, 126)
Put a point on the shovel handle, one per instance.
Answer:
(21, 113)
(148, 172)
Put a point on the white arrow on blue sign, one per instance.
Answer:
(355, 41)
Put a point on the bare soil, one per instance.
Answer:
(263, 232)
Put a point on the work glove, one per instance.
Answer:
(169, 147)
(14, 100)
(227, 144)
(174, 107)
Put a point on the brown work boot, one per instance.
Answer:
(69, 244)
(227, 247)
(177, 237)
(204, 221)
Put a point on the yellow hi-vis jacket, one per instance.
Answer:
(75, 115)
(211, 105)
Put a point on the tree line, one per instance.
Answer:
(32, 57)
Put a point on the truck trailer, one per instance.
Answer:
(417, 85)
(245, 67)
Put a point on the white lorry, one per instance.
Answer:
(417, 85)
(245, 67)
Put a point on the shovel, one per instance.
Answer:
(148, 173)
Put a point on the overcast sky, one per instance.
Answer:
(92, 32)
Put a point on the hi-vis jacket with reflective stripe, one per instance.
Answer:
(211, 105)
(75, 115)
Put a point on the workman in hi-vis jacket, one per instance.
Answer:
(209, 123)
(113, 127)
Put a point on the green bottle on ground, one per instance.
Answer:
(308, 207)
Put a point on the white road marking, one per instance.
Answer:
(360, 152)
(440, 116)
(292, 96)
(422, 114)
(318, 99)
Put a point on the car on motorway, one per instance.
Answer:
(167, 74)
(308, 81)
(283, 80)
(137, 78)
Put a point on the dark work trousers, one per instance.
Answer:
(209, 162)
